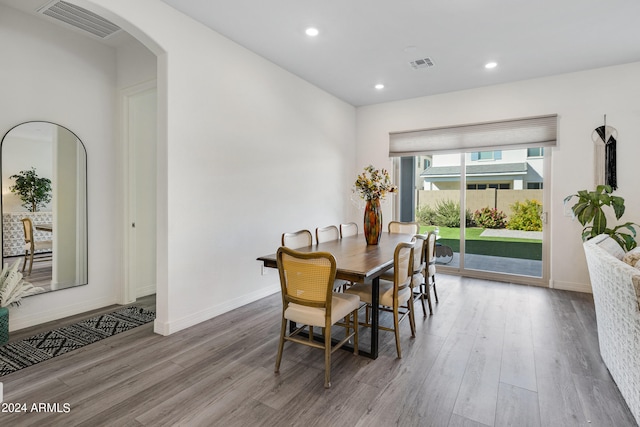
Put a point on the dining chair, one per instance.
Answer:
(308, 299)
(297, 239)
(404, 227)
(326, 234)
(396, 296)
(31, 246)
(348, 229)
(418, 276)
(429, 272)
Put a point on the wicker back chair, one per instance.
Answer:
(395, 296)
(31, 246)
(308, 299)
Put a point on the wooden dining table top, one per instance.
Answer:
(355, 260)
(44, 227)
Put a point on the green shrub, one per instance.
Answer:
(490, 218)
(526, 216)
(425, 215)
(447, 214)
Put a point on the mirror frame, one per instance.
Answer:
(86, 199)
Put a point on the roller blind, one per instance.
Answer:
(537, 131)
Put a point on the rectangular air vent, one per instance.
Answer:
(422, 63)
(79, 18)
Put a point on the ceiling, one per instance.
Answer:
(365, 42)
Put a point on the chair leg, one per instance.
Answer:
(355, 331)
(428, 294)
(283, 330)
(412, 319)
(435, 291)
(327, 358)
(30, 262)
(396, 329)
(24, 265)
(421, 289)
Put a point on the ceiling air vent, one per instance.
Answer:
(79, 18)
(422, 63)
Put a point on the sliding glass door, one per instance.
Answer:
(488, 208)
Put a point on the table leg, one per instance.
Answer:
(375, 302)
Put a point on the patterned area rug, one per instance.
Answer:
(29, 351)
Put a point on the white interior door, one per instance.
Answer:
(141, 139)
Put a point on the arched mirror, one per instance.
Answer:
(44, 193)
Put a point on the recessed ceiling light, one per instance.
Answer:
(379, 86)
(312, 32)
(490, 65)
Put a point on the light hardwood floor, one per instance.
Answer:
(493, 354)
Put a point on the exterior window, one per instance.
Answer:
(476, 186)
(534, 186)
(485, 186)
(427, 163)
(487, 155)
(535, 152)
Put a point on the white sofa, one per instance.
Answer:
(616, 294)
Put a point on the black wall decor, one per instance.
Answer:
(606, 136)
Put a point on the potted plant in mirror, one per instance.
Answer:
(12, 289)
(590, 213)
(34, 191)
(373, 185)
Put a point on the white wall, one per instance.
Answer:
(51, 74)
(19, 154)
(246, 151)
(580, 100)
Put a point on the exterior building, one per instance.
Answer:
(519, 169)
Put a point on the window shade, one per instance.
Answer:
(537, 131)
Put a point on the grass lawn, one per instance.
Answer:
(506, 247)
(472, 233)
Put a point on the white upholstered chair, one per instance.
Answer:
(348, 229)
(404, 227)
(297, 239)
(326, 234)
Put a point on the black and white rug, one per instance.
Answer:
(16, 355)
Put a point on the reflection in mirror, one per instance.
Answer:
(44, 151)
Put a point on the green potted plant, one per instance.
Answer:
(590, 213)
(34, 191)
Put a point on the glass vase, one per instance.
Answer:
(372, 221)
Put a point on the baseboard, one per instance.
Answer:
(570, 286)
(168, 328)
(145, 291)
(17, 323)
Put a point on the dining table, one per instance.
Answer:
(357, 261)
(44, 227)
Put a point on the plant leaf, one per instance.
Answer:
(599, 222)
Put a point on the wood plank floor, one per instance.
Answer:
(493, 354)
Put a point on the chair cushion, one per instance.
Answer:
(388, 275)
(632, 257)
(386, 293)
(609, 245)
(417, 280)
(341, 305)
(431, 271)
(39, 245)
